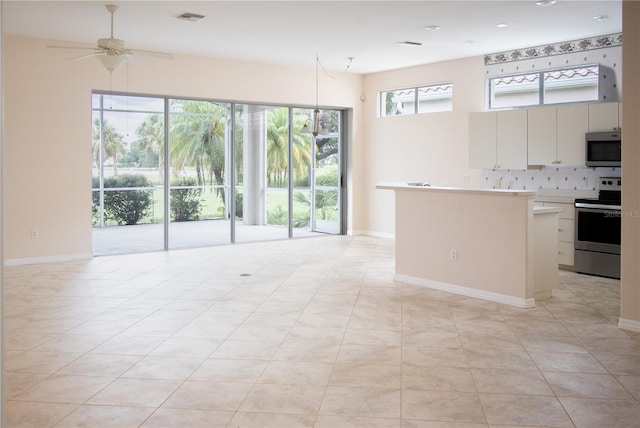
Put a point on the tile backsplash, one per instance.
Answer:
(565, 178)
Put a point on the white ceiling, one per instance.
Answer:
(293, 32)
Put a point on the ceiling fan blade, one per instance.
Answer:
(131, 57)
(164, 55)
(77, 58)
(73, 47)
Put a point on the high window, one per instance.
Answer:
(421, 99)
(575, 84)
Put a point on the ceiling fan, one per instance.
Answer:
(111, 51)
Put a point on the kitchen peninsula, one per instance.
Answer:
(491, 244)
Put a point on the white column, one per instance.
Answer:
(253, 160)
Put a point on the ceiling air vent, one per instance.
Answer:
(408, 43)
(188, 16)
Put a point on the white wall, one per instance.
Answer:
(48, 129)
(630, 266)
(430, 147)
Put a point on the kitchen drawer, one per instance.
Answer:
(565, 253)
(566, 230)
(566, 210)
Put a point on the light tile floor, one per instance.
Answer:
(304, 333)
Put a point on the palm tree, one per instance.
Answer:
(112, 143)
(197, 140)
(151, 138)
(277, 146)
(278, 149)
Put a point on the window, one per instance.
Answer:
(163, 168)
(576, 84)
(422, 99)
(546, 87)
(515, 91)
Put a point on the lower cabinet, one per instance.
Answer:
(566, 230)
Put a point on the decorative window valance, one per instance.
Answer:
(581, 45)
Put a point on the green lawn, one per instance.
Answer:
(212, 205)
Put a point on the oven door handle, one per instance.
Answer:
(599, 206)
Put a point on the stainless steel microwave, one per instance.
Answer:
(604, 148)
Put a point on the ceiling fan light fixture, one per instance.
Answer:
(111, 62)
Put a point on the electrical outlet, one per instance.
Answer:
(454, 254)
(35, 234)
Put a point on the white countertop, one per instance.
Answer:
(564, 195)
(546, 210)
(467, 190)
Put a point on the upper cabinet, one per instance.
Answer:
(573, 124)
(498, 140)
(541, 136)
(511, 142)
(482, 140)
(604, 117)
(550, 135)
(555, 135)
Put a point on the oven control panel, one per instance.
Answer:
(611, 183)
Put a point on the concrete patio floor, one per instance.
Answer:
(193, 234)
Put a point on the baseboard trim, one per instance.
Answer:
(629, 325)
(49, 259)
(466, 291)
(379, 234)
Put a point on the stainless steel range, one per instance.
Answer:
(598, 230)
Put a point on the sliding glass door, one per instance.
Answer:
(198, 188)
(127, 173)
(326, 188)
(182, 173)
(262, 175)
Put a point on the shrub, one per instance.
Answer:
(277, 217)
(126, 206)
(239, 202)
(329, 178)
(95, 199)
(186, 204)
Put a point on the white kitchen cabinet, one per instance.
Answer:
(604, 117)
(556, 135)
(511, 141)
(572, 125)
(482, 140)
(498, 139)
(541, 136)
(566, 230)
(551, 135)
(545, 253)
